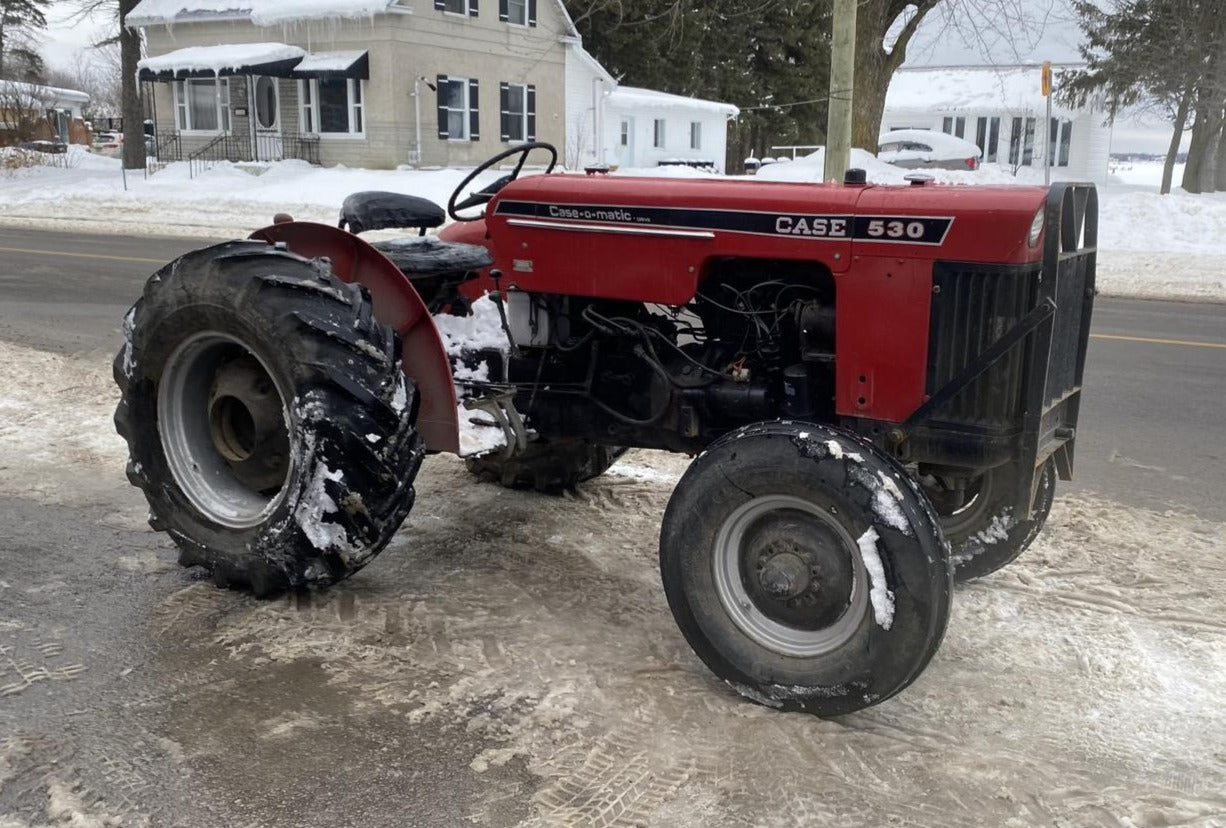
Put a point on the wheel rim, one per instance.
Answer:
(225, 431)
(960, 519)
(790, 576)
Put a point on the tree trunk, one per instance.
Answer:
(873, 73)
(875, 66)
(1181, 121)
(1219, 181)
(133, 109)
(1196, 150)
(1208, 169)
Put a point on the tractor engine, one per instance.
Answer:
(754, 342)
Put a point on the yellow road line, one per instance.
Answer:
(1151, 341)
(135, 259)
(1187, 343)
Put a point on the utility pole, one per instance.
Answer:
(842, 82)
(1045, 88)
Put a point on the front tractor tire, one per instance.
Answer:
(547, 466)
(268, 421)
(983, 532)
(805, 568)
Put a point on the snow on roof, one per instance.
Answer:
(218, 59)
(631, 96)
(970, 89)
(329, 61)
(41, 92)
(260, 12)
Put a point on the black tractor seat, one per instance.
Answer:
(376, 210)
(430, 255)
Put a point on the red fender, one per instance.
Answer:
(396, 304)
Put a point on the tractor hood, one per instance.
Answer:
(984, 224)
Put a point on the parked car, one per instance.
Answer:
(923, 149)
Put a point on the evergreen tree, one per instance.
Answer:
(769, 57)
(1172, 52)
(20, 20)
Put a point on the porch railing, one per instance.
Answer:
(267, 147)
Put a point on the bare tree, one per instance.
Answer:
(1001, 31)
(129, 40)
(97, 73)
(23, 109)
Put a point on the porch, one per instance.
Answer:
(257, 102)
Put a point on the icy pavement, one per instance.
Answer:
(513, 655)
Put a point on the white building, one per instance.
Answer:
(1002, 110)
(624, 126)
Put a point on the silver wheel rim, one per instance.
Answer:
(207, 440)
(745, 612)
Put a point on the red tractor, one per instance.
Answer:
(879, 385)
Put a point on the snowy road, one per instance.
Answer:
(510, 659)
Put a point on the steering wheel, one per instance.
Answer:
(454, 204)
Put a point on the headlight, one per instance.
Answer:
(1036, 226)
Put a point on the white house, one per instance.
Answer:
(624, 126)
(1001, 109)
(378, 83)
(644, 128)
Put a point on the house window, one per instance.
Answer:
(458, 118)
(453, 6)
(518, 112)
(987, 137)
(1021, 142)
(332, 106)
(203, 105)
(658, 139)
(519, 12)
(1061, 135)
(695, 135)
(625, 134)
(960, 127)
(947, 126)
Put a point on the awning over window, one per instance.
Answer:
(354, 65)
(276, 59)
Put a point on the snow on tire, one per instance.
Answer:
(984, 535)
(805, 568)
(268, 421)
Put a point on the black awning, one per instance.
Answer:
(355, 65)
(274, 59)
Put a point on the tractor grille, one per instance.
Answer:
(1071, 297)
(973, 305)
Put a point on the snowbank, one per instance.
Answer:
(1154, 246)
(260, 12)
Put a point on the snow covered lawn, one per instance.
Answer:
(1082, 685)
(1156, 246)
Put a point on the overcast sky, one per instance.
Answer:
(958, 32)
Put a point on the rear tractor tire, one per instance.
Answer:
(268, 421)
(984, 534)
(547, 467)
(805, 568)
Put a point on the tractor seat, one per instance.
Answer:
(376, 210)
(430, 255)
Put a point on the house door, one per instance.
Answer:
(267, 111)
(625, 142)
